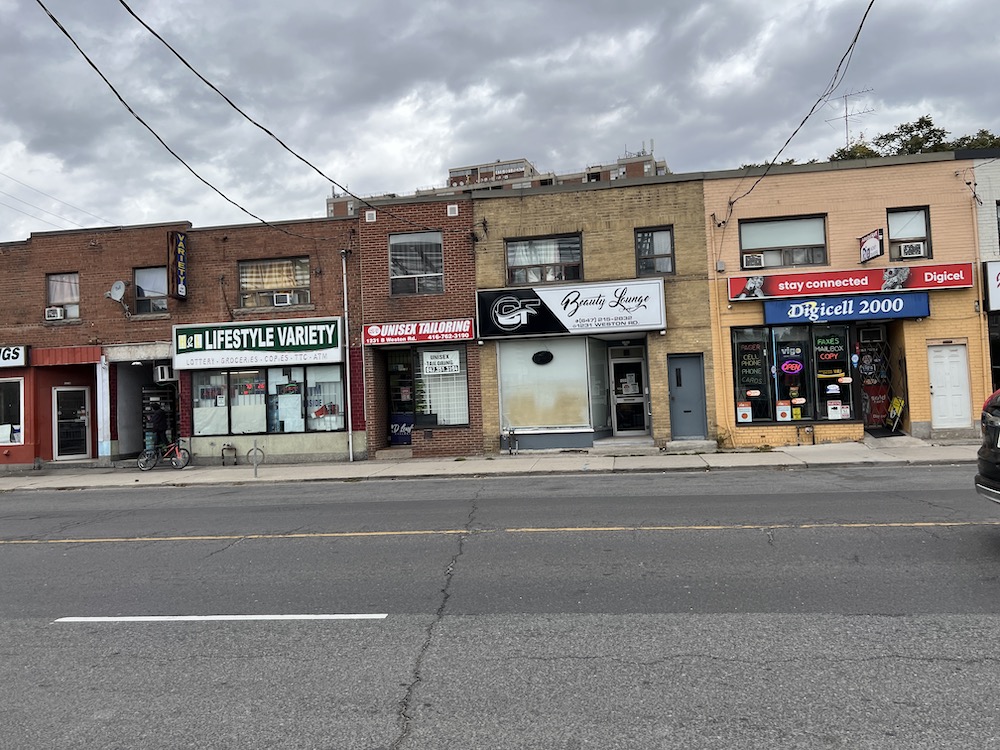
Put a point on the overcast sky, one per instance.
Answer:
(386, 95)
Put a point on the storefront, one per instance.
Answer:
(276, 384)
(823, 356)
(423, 371)
(572, 360)
(13, 373)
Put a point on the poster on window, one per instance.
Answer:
(441, 363)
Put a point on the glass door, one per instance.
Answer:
(71, 422)
(631, 397)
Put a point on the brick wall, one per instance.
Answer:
(606, 218)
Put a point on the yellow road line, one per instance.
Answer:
(525, 530)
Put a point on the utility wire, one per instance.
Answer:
(158, 138)
(256, 124)
(41, 192)
(36, 218)
(835, 81)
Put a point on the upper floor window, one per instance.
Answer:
(63, 293)
(416, 263)
(908, 236)
(654, 251)
(150, 290)
(544, 259)
(276, 282)
(783, 242)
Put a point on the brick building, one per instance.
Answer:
(236, 331)
(593, 314)
(846, 297)
(421, 360)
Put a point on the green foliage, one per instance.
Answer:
(918, 137)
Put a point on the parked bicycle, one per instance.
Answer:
(178, 455)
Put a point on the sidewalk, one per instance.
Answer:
(892, 451)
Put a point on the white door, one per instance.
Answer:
(70, 422)
(949, 379)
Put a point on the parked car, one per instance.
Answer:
(988, 478)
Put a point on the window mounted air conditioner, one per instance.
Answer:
(370, 216)
(54, 313)
(911, 250)
(164, 374)
(452, 209)
(282, 299)
(753, 260)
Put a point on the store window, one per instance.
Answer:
(545, 259)
(278, 282)
(274, 400)
(654, 251)
(544, 383)
(440, 387)
(63, 294)
(793, 373)
(777, 243)
(416, 263)
(11, 409)
(908, 236)
(150, 290)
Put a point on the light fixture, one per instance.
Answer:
(137, 363)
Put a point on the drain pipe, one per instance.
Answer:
(348, 408)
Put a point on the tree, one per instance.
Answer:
(859, 149)
(982, 139)
(918, 137)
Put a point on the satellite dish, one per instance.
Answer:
(117, 291)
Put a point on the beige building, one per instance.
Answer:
(846, 297)
(593, 314)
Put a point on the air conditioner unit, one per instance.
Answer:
(753, 260)
(911, 250)
(452, 209)
(370, 216)
(54, 313)
(282, 299)
(164, 374)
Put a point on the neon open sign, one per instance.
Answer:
(791, 367)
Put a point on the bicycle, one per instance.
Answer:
(179, 456)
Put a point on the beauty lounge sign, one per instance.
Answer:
(856, 281)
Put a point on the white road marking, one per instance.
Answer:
(202, 618)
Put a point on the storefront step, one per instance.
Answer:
(396, 453)
(646, 447)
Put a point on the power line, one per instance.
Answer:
(835, 81)
(41, 192)
(38, 208)
(158, 138)
(36, 218)
(256, 124)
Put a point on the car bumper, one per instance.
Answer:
(988, 488)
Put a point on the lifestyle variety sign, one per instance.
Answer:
(634, 305)
(264, 342)
(858, 281)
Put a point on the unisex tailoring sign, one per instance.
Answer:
(634, 305)
(420, 332)
(261, 343)
(13, 356)
(858, 281)
(858, 307)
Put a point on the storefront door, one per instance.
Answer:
(630, 410)
(949, 375)
(70, 422)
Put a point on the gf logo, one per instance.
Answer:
(510, 313)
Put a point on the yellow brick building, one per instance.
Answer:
(563, 365)
(845, 296)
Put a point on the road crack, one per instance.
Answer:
(405, 712)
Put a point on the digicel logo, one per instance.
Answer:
(940, 277)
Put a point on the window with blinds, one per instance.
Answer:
(278, 282)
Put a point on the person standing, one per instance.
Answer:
(158, 425)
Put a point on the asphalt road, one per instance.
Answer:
(850, 608)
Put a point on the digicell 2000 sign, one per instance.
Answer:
(860, 281)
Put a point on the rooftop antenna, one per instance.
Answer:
(848, 116)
